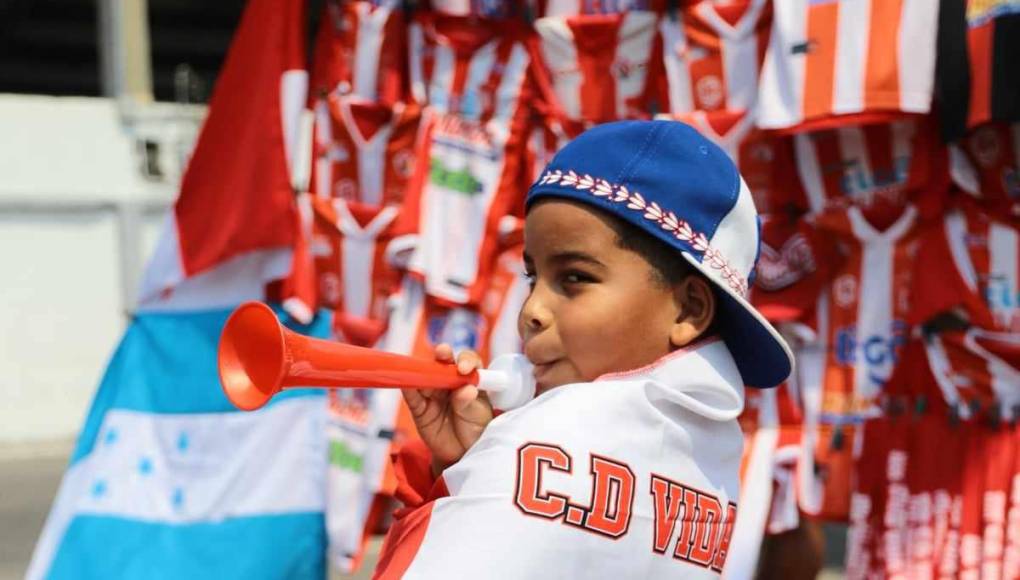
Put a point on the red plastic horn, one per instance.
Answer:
(258, 358)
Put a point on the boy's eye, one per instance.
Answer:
(576, 278)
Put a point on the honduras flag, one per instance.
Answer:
(168, 480)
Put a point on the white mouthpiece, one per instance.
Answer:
(509, 381)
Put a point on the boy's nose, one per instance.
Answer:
(534, 317)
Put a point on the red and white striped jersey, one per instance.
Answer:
(863, 317)
(471, 170)
(765, 161)
(365, 152)
(543, 8)
(887, 163)
(502, 304)
(600, 65)
(361, 51)
(829, 59)
(979, 368)
(983, 273)
(986, 164)
(355, 280)
(476, 68)
(483, 8)
(713, 53)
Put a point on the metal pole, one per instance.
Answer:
(125, 59)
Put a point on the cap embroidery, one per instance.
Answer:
(667, 220)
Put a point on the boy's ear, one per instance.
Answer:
(696, 302)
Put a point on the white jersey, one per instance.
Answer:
(634, 475)
(829, 58)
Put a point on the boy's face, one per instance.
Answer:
(594, 307)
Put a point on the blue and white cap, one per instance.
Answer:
(678, 186)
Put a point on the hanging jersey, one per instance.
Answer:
(977, 371)
(833, 62)
(867, 309)
(713, 53)
(599, 65)
(977, 76)
(365, 152)
(983, 273)
(867, 165)
(482, 8)
(543, 8)
(764, 160)
(471, 67)
(986, 165)
(793, 268)
(503, 300)
(354, 277)
(471, 170)
(361, 51)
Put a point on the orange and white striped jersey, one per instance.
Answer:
(471, 170)
(981, 272)
(765, 161)
(600, 65)
(830, 62)
(354, 278)
(886, 163)
(713, 53)
(361, 51)
(364, 152)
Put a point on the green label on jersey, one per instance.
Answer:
(341, 456)
(459, 180)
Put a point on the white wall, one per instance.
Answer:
(78, 217)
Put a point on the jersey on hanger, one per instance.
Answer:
(364, 152)
(543, 8)
(834, 62)
(885, 163)
(713, 53)
(471, 170)
(354, 277)
(970, 261)
(986, 165)
(600, 65)
(360, 50)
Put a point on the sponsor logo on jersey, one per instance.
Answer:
(460, 328)
(710, 91)
(459, 180)
(844, 290)
(878, 352)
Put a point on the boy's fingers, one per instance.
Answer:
(468, 361)
(444, 352)
(415, 401)
(462, 398)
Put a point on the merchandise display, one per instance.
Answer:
(890, 256)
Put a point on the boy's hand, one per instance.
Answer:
(450, 421)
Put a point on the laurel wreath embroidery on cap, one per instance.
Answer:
(667, 220)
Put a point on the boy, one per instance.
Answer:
(640, 237)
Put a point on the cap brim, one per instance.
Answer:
(762, 356)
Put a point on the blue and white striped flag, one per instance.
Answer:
(168, 480)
